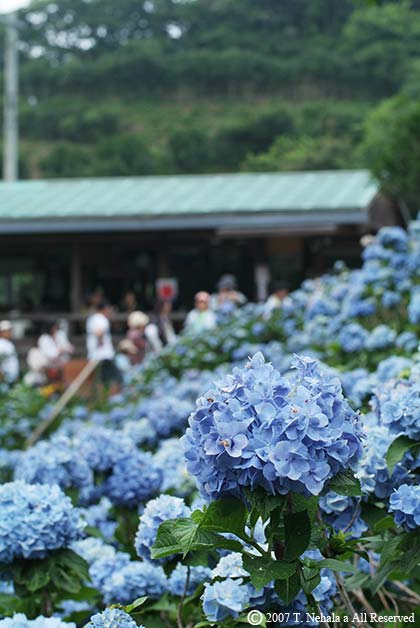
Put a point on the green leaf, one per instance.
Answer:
(264, 503)
(225, 515)
(338, 565)
(37, 578)
(72, 561)
(298, 534)
(264, 570)
(344, 483)
(289, 588)
(136, 604)
(65, 580)
(300, 503)
(180, 536)
(309, 585)
(385, 524)
(389, 549)
(397, 450)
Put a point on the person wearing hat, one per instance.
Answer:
(9, 363)
(227, 298)
(201, 318)
(144, 335)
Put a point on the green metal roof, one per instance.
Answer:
(187, 196)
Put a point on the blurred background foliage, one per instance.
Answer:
(174, 86)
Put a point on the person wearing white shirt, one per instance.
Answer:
(201, 318)
(100, 347)
(55, 345)
(9, 363)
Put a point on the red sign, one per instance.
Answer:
(167, 289)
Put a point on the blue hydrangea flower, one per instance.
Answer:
(352, 337)
(134, 479)
(414, 308)
(407, 341)
(178, 578)
(339, 512)
(111, 618)
(224, 599)
(261, 429)
(157, 511)
(47, 520)
(397, 405)
(102, 448)
(380, 338)
(230, 566)
(405, 506)
(133, 580)
(19, 620)
(93, 548)
(171, 461)
(54, 462)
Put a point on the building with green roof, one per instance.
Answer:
(60, 239)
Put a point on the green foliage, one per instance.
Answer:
(346, 484)
(66, 160)
(121, 89)
(392, 148)
(398, 448)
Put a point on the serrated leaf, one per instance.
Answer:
(396, 451)
(338, 565)
(225, 515)
(309, 585)
(298, 534)
(344, 483)
(264, 570)
(289, 588)
(264, 503)
(180, 536)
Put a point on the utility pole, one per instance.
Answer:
(11, 100)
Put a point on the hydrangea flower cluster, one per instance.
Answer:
(405, 506)
(47, 520)
(165, 416)
(225, 599)
(342, 513)
(157, 511)
(133, 580)
(397, 405)
(261, 429)
(112, 618)
(134, 479)
(19, 620)
(178, 579)
(54, 462)
(171, 461)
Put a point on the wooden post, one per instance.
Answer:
(75, 279)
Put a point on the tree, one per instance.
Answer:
(392, 148)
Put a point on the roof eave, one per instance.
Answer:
(243, 221)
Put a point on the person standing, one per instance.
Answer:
(201, 318)
(100, 347)
(9, 363)
(163, 323)
(227, 298)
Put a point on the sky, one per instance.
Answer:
(10, 5)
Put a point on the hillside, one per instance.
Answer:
(166, 86)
